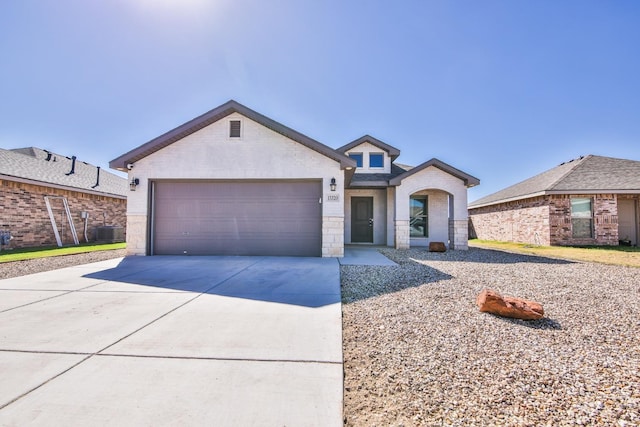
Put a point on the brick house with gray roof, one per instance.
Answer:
(29, 175)
(593, 200)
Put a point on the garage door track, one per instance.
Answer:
(221, 341)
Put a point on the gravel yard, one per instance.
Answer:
(21, 268)
(418, 352)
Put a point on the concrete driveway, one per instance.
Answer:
(223, 341)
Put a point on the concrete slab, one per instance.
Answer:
(364, 255)
(131, 391)
(235, 328)
(65, 279)
(309, 282)
(21, 372)
(235, 340)
(11, 299)
(169, 273)
(82, 321)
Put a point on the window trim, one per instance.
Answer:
(361, 158)
(376, 154)
(425, 215)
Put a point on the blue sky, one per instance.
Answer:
(500, 89)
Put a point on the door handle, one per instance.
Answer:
(370, 222)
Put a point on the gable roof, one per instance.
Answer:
(586, 175)
(468, 180)
(215, 115)
(41, 167)
(393, 151)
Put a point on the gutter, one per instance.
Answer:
(552, 193)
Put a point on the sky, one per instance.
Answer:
(502, 90)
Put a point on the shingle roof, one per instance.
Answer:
(586, 175)
(377, 179)
(213, 116)
(49, 169)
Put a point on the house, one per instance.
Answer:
(592, 200)
(234, 182)
(36, 187)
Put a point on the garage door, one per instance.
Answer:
(237, 218)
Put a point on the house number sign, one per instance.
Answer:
(333, 197)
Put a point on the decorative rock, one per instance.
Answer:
(492, 302)
(437, 247)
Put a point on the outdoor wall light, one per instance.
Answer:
(333, 184)
(133, 184)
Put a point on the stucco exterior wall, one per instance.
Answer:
(522, 221)
(24, 214)
(379, 214)
(432, 178)
(260, 153)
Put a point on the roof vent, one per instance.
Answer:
(48, 155)
(97, 177)
(73, 166)
(234, 128)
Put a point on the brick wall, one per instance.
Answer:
(544, 220)
(522, 221)
(24, 214)
(605, 220)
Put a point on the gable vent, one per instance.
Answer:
(234, 128)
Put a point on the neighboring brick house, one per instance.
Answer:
(29, 175)
(234, 182)
(592, 200)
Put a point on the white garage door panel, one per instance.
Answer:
(238, 218)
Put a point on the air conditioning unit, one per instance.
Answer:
(110, 234)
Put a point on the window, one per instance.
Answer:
(234, 128)
(357, 157)
(376, 160)
(581, 217)
(419, 216)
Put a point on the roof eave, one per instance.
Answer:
(369, 184)
(212, 116)
(507, 200)
(60, 187)
(469, 180)
(592, 191)
(391, 150)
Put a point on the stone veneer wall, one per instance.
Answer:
(402, 234)
(605, 220)
(332, 236)
(522, 221)
(458, 228)
(23, 213)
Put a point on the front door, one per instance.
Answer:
(627, 221)
(362, 219)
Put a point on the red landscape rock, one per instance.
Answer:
(492, 302)
(437, 247)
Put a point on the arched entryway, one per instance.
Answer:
(430, 217)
